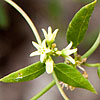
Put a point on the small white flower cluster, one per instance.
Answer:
(67, 52)
(45, 50)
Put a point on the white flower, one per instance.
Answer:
(42, 50)
(67, 52)
(49, 65)
(50, 37)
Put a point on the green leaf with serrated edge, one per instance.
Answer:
(98, 71)
(26, 74)
(79, 24)
(70, 75)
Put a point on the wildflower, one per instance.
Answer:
(42, 50)
(67, 86)
(49, 65)
(67, 52)
(50, 37)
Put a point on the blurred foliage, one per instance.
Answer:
(54, 9)
(3, 17)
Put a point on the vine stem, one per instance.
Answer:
(92, 65)
(48, 87)
(93, 48)
(28, 20)
(59, 87)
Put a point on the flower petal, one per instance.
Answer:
(49, 30)
(34, 53)
(49, 66)
(44, 44)
(42, 57)
(36, 45)
(49, 69)
(54, 34)
(47, 50)
(69, 45)
(70, 59)
(69, 52)
(45, 33)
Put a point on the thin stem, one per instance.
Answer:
(48, 87)
(32, 26)
(93, 48)
(75, 55)
(59, 87)
(92, 65)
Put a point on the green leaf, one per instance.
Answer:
(3, 17)
(26, 74)
(98, 71)
(79, 24)
(70, 75)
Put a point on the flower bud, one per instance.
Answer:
(50, 37)
(49, 65)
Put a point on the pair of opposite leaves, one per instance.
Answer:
(66, 73)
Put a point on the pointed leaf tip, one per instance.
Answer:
(79, 24)
(70, 75)
(25, 74)
(98, 72)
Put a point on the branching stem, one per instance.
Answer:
(32, 26)
(59, 87)
(92, 65)
(93, 48)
